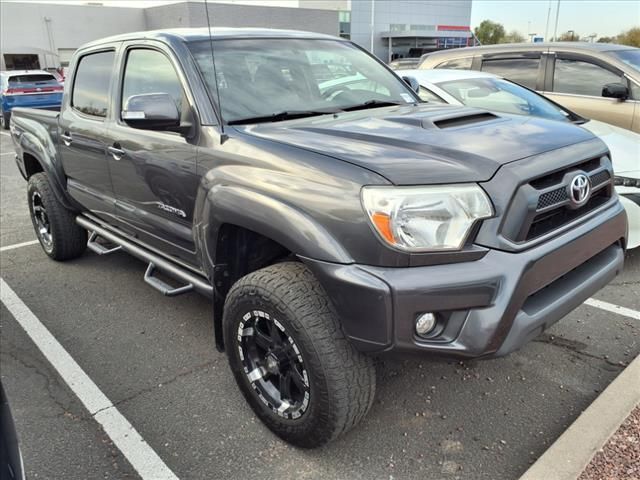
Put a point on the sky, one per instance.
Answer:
(602, 17)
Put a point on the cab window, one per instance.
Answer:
(150, 71)
(91, 84)
(519, 70)
(582, 78)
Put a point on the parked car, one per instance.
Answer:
(488, 91)
(11, 466)
(327, 227)
(597, 80)
(28, 88)
(404, 63)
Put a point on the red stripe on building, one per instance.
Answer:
(454, 28)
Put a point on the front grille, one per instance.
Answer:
(553, 197)
(544, 203)
(549, 221)
(600, 178)
(554, 178)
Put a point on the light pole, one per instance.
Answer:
(555, 30)
(546, 30)
(373, 9)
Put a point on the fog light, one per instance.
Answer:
(425, 323)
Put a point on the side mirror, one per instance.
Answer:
(151, 111)
(615, 90)
(413, 83)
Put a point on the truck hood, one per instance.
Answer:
(424, 144)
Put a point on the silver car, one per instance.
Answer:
(597, 80)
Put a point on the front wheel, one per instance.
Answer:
(295, 367)
(60, 236)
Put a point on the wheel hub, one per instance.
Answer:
(273, 365)
(41, 220)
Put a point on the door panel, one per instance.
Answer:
(83, 134)
(607, 110)
(154, 172)
(155, 184)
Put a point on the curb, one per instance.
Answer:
(568, 456)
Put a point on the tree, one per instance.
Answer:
(631, 37)
(489, 33)
(607, 40)
(514, 36)
(569, 36)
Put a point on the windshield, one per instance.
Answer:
(503, 96)
(264, 79)
(630, 57)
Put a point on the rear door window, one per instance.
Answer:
(91, 85)
(519, 70)
(580, 77)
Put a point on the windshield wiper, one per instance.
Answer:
(372, 104)
(285, 115)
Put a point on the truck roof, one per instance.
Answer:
(202, 33)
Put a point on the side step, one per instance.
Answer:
(156, 262)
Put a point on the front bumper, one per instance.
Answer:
(488, 307)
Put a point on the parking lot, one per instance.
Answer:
(154, 358)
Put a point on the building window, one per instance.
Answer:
(398, 27)
(423, 27)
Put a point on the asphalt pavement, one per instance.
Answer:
(154, 358)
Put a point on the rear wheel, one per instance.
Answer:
(292, 362)
(60, 236)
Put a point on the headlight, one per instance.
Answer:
(626, 182)
(419, 219)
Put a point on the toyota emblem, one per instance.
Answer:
(579, 189)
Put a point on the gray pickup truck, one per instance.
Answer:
(331, 216)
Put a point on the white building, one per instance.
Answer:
(408, 28)
(45, 35)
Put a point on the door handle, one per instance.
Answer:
(116, 152)
(66, 138)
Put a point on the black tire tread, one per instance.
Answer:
(69, 239)
(350, 375)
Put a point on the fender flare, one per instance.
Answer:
(283, 223)
(43, 149)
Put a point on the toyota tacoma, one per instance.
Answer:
(331, 216)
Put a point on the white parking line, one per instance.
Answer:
(610, 307)
(7, 153)
(5, 134)
(141, 456)
(18, 245)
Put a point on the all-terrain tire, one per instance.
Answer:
(341, 380)
(64, 239)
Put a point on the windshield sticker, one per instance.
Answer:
(407, 98)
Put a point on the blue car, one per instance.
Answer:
(28, 88)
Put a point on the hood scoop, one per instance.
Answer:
(459, 118)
